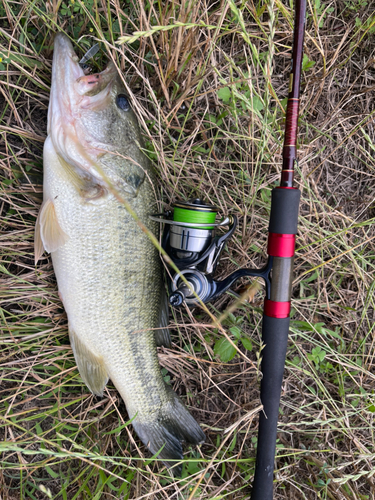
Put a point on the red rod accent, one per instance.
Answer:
(276, 309)
(291, 125)
(281, 245)
(287, 178)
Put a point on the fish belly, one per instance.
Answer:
(108, 275)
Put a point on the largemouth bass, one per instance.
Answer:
(108, 271)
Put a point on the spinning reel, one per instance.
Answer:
(190, 241)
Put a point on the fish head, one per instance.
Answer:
(91, 123)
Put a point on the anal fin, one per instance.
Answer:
(90, 365)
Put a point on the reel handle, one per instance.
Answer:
(214, 288)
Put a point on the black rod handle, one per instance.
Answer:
(275, 338)
(275, 329)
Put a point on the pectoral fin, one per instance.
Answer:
(38, 244)
(84, 183)
(48, 233)
(90, 365)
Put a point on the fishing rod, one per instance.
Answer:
(190, 241)
(281, 244)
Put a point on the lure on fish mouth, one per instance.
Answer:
(108, 271)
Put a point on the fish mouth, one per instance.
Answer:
(72, 92)
(65, 60)
(65, 71)
(71, 89)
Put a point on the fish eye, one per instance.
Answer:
(122, 102)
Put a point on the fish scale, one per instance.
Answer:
(107, 269)
(102, 237)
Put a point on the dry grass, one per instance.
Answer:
(60, 442)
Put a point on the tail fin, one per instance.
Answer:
(167, 429)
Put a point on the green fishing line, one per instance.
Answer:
(194, 216)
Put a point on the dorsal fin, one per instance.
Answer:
(162, 335)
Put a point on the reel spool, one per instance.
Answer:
(189, 239)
